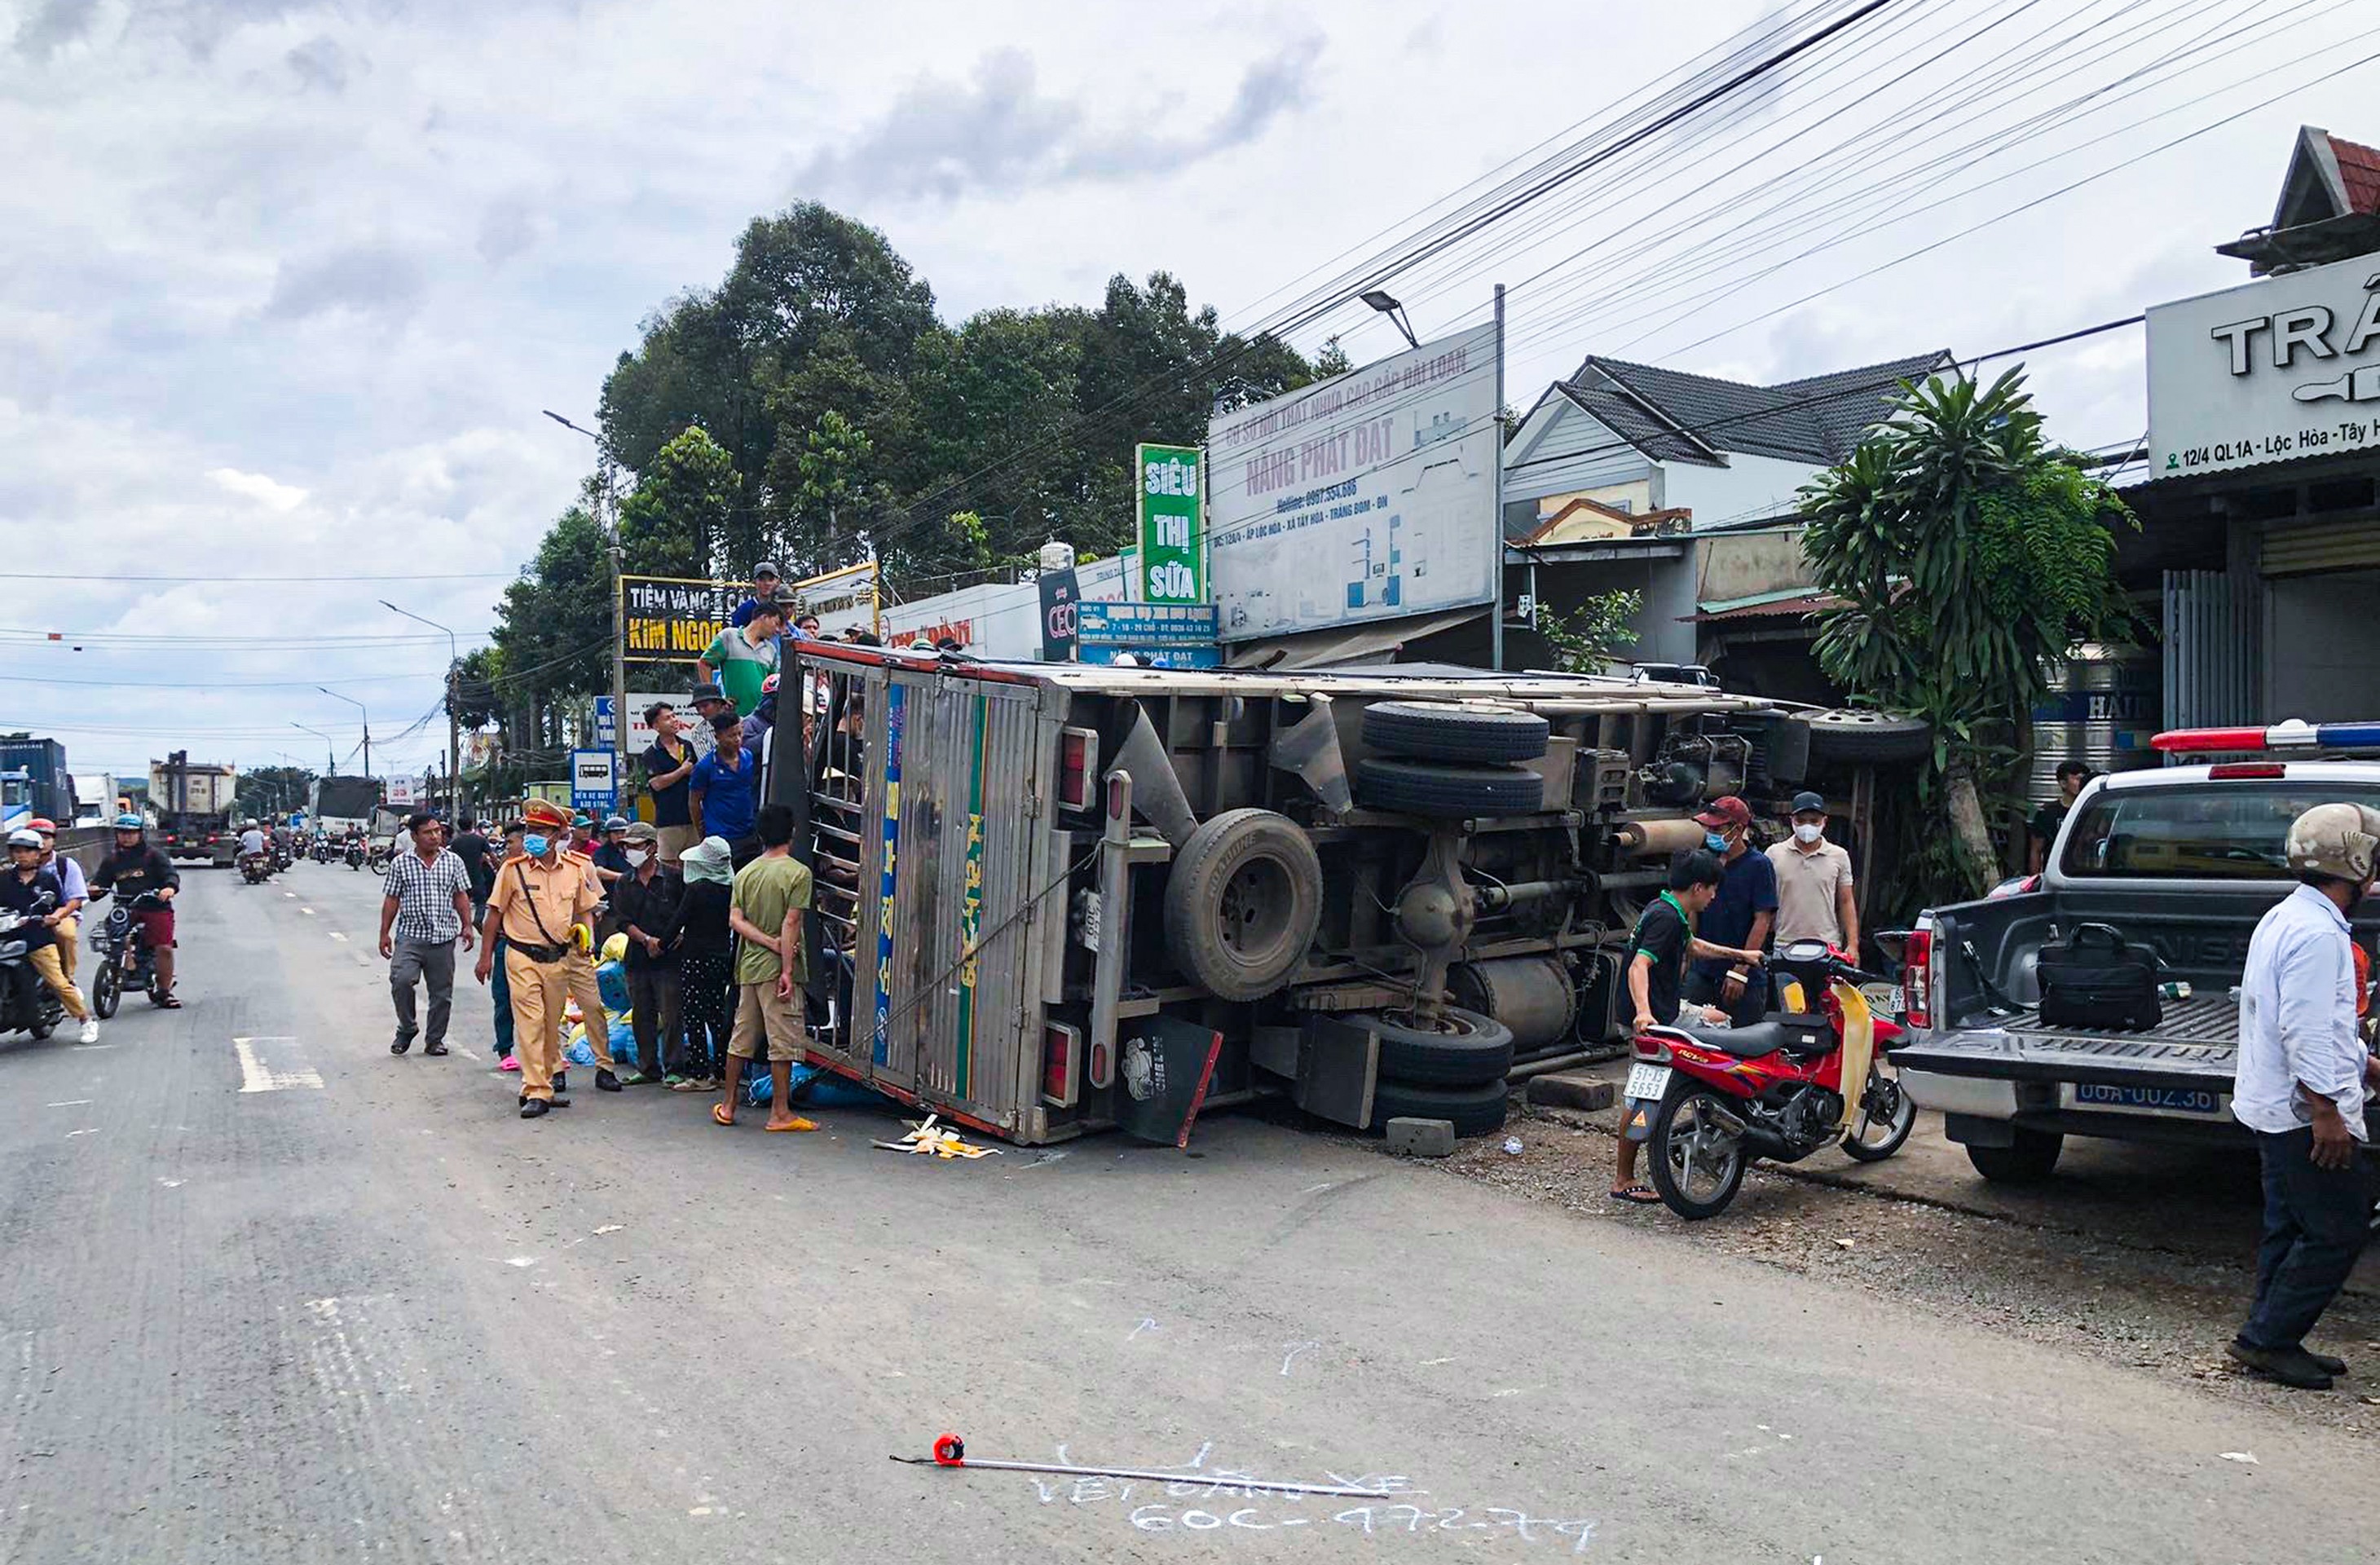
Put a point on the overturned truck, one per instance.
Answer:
(1054, 899)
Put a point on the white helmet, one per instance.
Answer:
(23, 838)
(2339, 839)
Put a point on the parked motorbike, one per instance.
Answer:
(383, 854)
(26, 1003)
(126, 960)
(1712, 1100)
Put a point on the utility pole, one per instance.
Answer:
(360, 707)
(607, 516)
(1495, 533)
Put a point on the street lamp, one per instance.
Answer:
(611, 524)
(330, 749)
(1386, 303)
(454, 725)
(360, 707)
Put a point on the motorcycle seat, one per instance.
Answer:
(1793, 1035)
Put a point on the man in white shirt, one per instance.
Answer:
(2300, 1086)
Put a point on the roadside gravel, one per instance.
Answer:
(2159, 1307)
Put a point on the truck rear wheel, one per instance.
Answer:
(1469, 1050)
(1450, 731)
(1437, 789)
(1243, 903)
(2029, 1161)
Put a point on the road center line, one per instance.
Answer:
(337, 936)
(67, 1103)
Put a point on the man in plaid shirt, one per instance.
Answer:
(425, 906)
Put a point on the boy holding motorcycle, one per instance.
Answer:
(1658, 954)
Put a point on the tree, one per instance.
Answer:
(272, 790)
(676, 521)
(1590, 636)
(1971, 557)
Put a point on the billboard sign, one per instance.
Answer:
(1367, 496)
(2277, 369)
(400, 791)
(1172, 570)
(1061, 601)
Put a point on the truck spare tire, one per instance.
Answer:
(1450, 731)
(1434, 788)
(1859, 735)
(1242, 903)
(1474, 1111)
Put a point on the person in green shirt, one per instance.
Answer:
(741, 660)
(771, 965)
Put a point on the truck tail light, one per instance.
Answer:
(1061, 1064)
(1917, 974)
(1099, 1066)
(1078, 762)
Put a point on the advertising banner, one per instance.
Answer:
(1171, 569)
(1060, 600)
(671, 621)
(1368, 496)
(2280, 369)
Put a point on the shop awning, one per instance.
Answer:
(1373, 643)
(1793, 602)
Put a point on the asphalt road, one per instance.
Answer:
(317, 1303)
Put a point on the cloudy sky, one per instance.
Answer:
(288, 284)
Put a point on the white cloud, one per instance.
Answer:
(257, 487)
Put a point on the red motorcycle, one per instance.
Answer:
(1711, 1099)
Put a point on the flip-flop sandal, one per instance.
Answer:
(169, 1002)
(1638, 1196)
(721, 1114)
(796, 1125)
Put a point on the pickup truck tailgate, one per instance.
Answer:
(2192, 1049)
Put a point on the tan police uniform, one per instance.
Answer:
(534, 904)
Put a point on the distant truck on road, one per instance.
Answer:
(340, 804)
(2185, 860)
(194, 801)
(94, 798)
(34, 783)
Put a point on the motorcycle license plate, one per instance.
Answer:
(1648, 1082)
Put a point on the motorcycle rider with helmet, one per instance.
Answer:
(36, 892)
(251, 840)
(135, 868)
(78, 891)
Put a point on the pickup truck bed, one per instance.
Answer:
(2192, 1048)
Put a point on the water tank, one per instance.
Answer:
(1056, 556)
(2102, 709)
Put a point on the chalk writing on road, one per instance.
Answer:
(1224, 1500)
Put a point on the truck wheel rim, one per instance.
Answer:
(1254, 911)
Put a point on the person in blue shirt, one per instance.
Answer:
(1739, 916)
(764, 590)
(725, 788)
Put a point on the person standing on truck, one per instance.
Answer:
(1656, 959)
(1739, 916)
(136, 869)
(765, 582)
(740, 658)
(1814, 900)
(2048, 820)
(725, 789)
(2302, 1080)
(668, 765)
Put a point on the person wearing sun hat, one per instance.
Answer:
(543, 898)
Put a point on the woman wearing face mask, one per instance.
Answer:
(645, 900)
(706, 973)
(1814, 882)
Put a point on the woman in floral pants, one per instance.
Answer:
(706, 965)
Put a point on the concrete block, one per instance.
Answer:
(1572, 1089)
(1422, 1138)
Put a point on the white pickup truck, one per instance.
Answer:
(2187, 860)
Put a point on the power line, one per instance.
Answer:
(359, 577)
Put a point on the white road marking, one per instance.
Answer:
(80, 1047)
(291, 895)
(171, 1184)
(307, 911)
(69, 1103)
(255, 1076)
(337, 936)
(88, 1129)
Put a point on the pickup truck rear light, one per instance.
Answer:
(1061, 1064)
(2237, 769)
(1078, 762)
(1917, 974)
